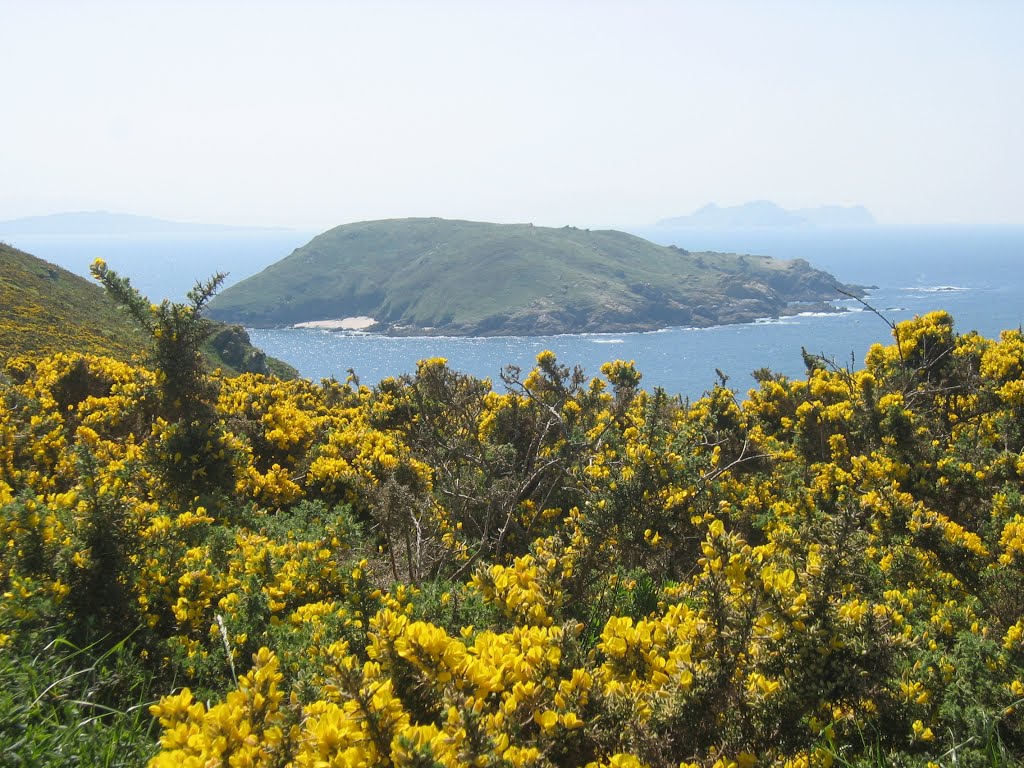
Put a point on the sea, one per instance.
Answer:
(976, 274)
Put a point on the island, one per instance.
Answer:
(106, 223)
(463, 278)
(766, 214)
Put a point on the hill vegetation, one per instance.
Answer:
(567, 571)
(45, 309)
(473, 278)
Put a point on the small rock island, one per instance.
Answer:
(464, 278)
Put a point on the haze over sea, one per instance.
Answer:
(975, 274)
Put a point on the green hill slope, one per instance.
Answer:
(474, 278)
(45, 309)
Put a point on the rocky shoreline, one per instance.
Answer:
(597, 320)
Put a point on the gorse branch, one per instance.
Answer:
(124, 293)
(201, 294)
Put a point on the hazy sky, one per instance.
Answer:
(312, 114)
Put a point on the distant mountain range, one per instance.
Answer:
(763, 213)
(104, 223)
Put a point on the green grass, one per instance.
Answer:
(65, 706)
(464, 277)
(45, 309)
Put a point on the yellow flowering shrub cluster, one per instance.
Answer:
(560, 571)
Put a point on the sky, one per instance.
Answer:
(312, 114)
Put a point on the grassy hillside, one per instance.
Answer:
(45, 309)
(473, 277)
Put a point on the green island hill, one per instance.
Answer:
(464, 278)
(45, 309)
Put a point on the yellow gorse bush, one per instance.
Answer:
(569, 572)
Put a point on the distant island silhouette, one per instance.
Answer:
(764, 213)
(106, 223)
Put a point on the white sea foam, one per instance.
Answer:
(937, 288)
(769, 321)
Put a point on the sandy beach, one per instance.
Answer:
(360, 323)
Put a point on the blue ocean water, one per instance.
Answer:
(975, 274)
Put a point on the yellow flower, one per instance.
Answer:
(921, 732)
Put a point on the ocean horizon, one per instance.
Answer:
(973, 273)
